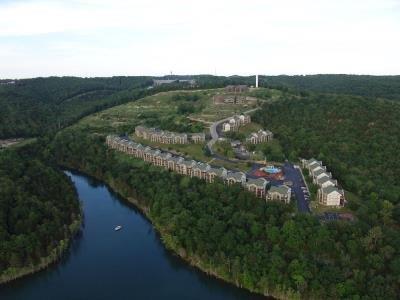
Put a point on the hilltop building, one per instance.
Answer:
(236, 89)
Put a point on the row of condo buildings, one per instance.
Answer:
(328, 192)
(236, 89)
(233, 99)
(234, 95)
(167, 137)
(197, 169)
(260, 136)
(235, 122)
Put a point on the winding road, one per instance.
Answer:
(291, 172)
(214, 131)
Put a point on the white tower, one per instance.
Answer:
(256, 81)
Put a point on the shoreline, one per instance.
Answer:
(164, 237)
(56, 254)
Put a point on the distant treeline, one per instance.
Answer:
(361, 85)
(32, 107)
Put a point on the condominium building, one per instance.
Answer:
(167, 137)
(260, 136)
(235, 122)
(279, 193)
(331, 196)
(328, 193)
(190, 168)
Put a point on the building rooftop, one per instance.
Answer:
(325, 179)
(238, 176)
(330, 189)
(319, 172)
(220, 172)
(259, 182)
(281, 189)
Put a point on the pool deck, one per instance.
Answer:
(291, 173)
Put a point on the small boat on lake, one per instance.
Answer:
(119, 227)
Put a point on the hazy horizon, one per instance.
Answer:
(188, 75)
(98, 38)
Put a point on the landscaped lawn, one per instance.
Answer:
(194, 151)
(249, 128)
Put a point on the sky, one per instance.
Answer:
(225, 37)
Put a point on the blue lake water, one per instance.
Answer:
(129, 264)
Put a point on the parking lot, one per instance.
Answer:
(298, 187)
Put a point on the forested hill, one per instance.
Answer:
(33, 106)
(39, 212)
(361, 85)
(358, 138)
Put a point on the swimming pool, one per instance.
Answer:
(271, 169)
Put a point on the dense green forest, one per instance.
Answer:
(228, 232)
(39, 212)
(225, 231)
(357, 138)
(31, 107)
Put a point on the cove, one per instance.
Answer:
(129, 264)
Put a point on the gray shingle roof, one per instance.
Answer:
(281, 189)
(330, 189)
(319, 172)
(220, 172)
(202, 166)
(238, 176)
(188, 163)
(259, 182)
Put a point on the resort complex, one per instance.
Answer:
(197, 169)
(167, 137)
(328, 192)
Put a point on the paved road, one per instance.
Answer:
(214, 132)
(293, 174)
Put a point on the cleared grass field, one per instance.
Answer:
(124, 118)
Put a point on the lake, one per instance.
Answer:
(128, 264)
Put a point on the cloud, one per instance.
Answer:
(88, 37)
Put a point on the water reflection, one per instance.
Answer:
(128, 264)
